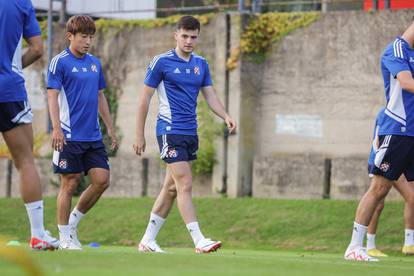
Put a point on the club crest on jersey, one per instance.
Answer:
(172, 153)
(384, 167)
(94, 68)
(63, 164)
(197, 70)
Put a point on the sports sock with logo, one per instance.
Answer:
(35, 213)
(75, 217)
(358, 234)
(195, 232)
(154, 226)
(370, 241)
(409, 237)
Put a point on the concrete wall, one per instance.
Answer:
(316, 94)
(329, 70)
(321, 90)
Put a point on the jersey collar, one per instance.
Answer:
(183, 60)
(78, 58)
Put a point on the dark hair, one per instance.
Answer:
(81, 24)
(188, 22)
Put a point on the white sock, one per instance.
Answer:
(75, 217)
(371, 241)
(35, 213)
(409, 237)
(358, 234)
(64, 232)
(195, 232)
(154, 226)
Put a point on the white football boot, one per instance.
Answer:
(74, 236)
(149, 246)
(68, 244)
(47, 242)
(358, 253)
(207, 246)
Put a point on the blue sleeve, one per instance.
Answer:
(154, 74)
(102, 83)
(395, 59)
(31, 26)
(207, 78)
(55, 75)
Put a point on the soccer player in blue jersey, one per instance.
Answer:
(177, 75)
(395, 155)
(18, 21)
(75, 95)
(405, 188)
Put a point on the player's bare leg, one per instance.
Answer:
(20, 143)
(68, 186)
(406, 189)
(182, 175)
(372, 250)
(99, 183)
(159, 213)
(377, 191)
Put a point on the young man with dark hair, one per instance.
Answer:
(75, 95)
(177, 75)
(395, 154)
(17, 21)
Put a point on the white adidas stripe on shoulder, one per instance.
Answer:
(55, 58)
(53, 63)
(397, 45)
(156, 58)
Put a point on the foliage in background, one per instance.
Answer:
(112, 99)
(104, 25)
(208, 129)
(39, 140)
(265, 30)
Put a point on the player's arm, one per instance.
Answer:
(406, 81)
(103, 109)
(58, 138)
(34, 52)
(217, 107)
(142, 112)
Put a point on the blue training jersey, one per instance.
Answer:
(78, 81)
(399, 119)
(178, 83)
(17, 21)
(375, 138)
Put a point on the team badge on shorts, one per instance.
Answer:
(384, 167)
(172, 153)
(63, 164)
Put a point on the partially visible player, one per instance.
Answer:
(18, 21)
(178, 75)
(405, 188)
(395, 155)
(75, 96)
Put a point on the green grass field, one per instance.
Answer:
(260, 237)
(126, 261)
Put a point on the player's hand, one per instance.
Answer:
(58, 139)
(139, 146)
(231, 124)
(114, 139)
